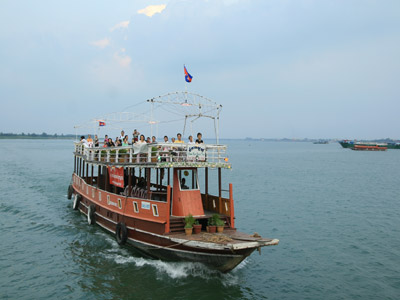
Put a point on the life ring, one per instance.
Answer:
(77, 200)
(70, 191)
(91, 214)
(121, 233)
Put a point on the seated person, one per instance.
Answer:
(190, 140)
(125, 142)
(179, 139)
(110, 143)
(183, 185)
(141, 141)
(199, 140)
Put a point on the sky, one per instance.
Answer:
(279, 68)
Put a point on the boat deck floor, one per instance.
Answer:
(229, 236)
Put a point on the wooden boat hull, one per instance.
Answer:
(170, 247)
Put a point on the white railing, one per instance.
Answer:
(155, 153)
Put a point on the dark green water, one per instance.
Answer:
(335, 211)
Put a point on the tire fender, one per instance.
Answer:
(70, 191)
(91, 214)
(121, 233)
(77, 200)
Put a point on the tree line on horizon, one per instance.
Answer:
(35, 135)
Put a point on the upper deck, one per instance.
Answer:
(159, 155)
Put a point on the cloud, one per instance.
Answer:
(152, 9)
(122, 59)
(101, 43)
(123, 24)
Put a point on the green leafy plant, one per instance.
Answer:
(210, 222)
(189, 221)
(219, 222)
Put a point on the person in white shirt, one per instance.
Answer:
(190, 140)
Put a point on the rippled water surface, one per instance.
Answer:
(335, 211)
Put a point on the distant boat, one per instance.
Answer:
(321, 142)
(369, 146)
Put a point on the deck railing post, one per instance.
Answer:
(168, 208)
(219, 192)
(231, 207)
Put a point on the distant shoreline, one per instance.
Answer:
(73, 137)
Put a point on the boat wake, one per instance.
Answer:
(174, 270)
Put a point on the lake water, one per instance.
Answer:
(335, 211)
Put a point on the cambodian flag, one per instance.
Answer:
(188, 77)
(101, 123)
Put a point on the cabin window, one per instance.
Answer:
(135, 207)
(188, 179)
(108, 198)
(155, 210)
(99, 196)
(92, 193)
(119, 203)
(87, 190)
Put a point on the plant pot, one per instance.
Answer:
(220, 229)
(154, 159)
(188, 231)
(211, 229)
(197, 228)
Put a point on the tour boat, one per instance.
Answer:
(137, 193)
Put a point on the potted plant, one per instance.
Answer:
(112, 155)
(220, 225)
(211, 228)
(123, 155)
(218, 222)
(189, 221)
(103, 155)
(154, 156)
(197, 227)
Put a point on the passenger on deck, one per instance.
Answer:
(122, 135)
(173, 140)
(118, 142)
(183, 185)
(148, 141)
(141, 141)
(135, 136)
(125, 142)
(199, 140)
(110, 143)
(179, 139)
(89, 139)
(190, 140)
(83, 141)
(166, 139)
(153, 140)
(96, 141)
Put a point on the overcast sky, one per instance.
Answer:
(280, 68)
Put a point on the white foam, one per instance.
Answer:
(174, 270)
